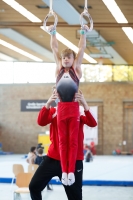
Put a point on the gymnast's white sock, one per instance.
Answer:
(64, 178)
(71, 178)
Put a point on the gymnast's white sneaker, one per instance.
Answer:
(71, 178)
(64, 178)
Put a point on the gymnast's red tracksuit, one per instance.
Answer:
(68, 118)
(49, 116)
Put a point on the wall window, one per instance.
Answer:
(33, 72)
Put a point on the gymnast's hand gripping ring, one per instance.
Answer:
(85, 13)
(51, 13)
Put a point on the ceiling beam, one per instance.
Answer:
(62, 24)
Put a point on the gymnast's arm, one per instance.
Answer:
(79, 58)
(54, 47)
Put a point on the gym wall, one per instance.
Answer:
(19, 130)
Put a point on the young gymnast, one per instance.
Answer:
(68, 73)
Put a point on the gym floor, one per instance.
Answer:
(99, 178)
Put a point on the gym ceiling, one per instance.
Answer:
(107, 43)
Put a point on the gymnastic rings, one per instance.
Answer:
(85, 13)
(51, 13)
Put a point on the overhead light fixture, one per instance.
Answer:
(6, 58)
(23, 11)
(14, 48)
(120, 18)
(72, 46)
(26, 42)
(66, 11)
(129, 32)
(115, 11)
